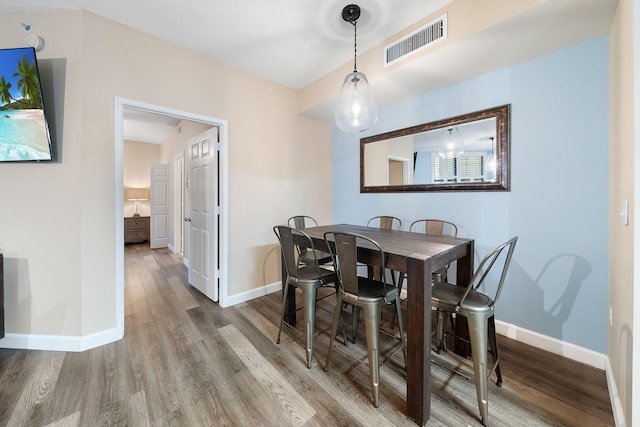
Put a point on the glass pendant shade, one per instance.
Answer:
(491, 163)
(451, 144)
(491, 167)
(356, 110)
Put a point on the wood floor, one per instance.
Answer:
(186, 362)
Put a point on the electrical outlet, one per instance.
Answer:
(610, 316)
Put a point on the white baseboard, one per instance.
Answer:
(616, 405)
(253, 293)
(60, 342)
(554, 345)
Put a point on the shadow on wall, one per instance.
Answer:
(625, 364)
(17, 296)
(546, 301)
(53, 74)
(272, 266)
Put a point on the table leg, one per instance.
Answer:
(418, 340)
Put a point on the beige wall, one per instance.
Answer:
(377, 159)
(59, 246)
(137, 158)
(621, 187)
(42, 212)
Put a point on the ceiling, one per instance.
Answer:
(296, 42)
(291, 42)
(143, 126)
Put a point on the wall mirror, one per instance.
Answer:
(463, 153)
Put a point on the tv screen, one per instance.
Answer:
(24, 133)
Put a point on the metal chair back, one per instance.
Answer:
(385, 222)
(301, 222)
(345, 258)
(291, 250)
(435, 227)
(485, 267)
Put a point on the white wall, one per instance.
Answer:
(558, 203)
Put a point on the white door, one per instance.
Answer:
(159, 230)
(203, 208)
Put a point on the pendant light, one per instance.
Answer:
(356, 110)
(451, 144)
(491, 162)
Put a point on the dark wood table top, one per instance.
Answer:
(404, 244)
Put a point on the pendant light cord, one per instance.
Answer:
(355, 46)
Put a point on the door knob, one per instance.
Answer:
(187, 219)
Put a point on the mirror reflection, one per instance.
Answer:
(468, 153)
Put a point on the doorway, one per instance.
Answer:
(398, 171)
(178, 205)
(120, 105)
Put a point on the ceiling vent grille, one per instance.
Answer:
(417, 40)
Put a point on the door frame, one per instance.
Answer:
(119, 106)
(178, 208)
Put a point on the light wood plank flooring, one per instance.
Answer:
(184, 361)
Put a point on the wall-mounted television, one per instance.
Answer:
(24, 132)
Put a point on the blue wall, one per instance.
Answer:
(558, 203)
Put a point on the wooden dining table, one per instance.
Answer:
(416, 255)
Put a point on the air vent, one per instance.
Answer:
(417, 40)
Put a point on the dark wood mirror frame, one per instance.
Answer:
(502, 114)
